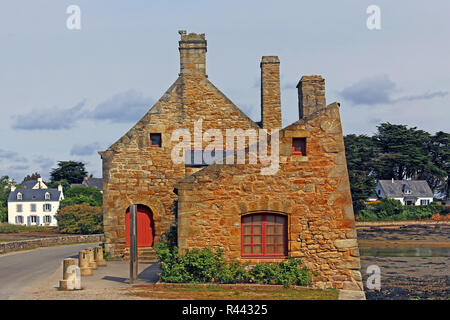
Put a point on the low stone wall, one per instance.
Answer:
(45, 242)
(398, 223)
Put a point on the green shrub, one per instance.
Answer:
(285, 273)
(392, 210)
(80, 219)
(205, 265)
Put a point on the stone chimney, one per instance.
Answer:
(60, 188)
(192, 49)
(13, 188)
(311, 95)
(270, 93)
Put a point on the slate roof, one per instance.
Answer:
(35, 195)
(29, 184)
(419, 188)
(94, 182)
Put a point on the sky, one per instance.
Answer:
(67, 94)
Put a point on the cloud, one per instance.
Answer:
(44, 163)
(84, 150)
(379, 90)
(7, 154)
(424, 96)
(128, 106)
(373, 90)
(49, 118)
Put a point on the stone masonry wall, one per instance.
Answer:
(312, 190)
(133, 172)
(270, 93)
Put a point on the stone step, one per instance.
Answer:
(144, 253)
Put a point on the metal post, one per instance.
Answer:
(133, 243)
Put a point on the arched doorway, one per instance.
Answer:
(145, 226)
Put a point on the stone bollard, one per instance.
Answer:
(71, 275)
(83, 263)
(92, 264)
(98, 255)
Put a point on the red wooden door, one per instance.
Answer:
(145, 227)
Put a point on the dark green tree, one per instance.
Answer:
(5, 189)
(402, 151)
(72, 171)
(63, 183)
(360, 152)
(81, 194)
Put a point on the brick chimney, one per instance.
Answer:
(270, 93)
(192, 49)
(311, 95)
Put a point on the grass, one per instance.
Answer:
(12, 228)
(217, 292)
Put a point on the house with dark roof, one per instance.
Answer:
(408, 192)
(34, 204)
(96, 183)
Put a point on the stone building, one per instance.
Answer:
(303, 208)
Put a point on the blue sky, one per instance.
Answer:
(66, 94)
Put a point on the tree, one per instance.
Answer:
(80, 219)
(402, 151)
(5, 189)
(360, 152)
(437, 170)
(33, 176)
(81, 194)
(72, 171)
(54, 185)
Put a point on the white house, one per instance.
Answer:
(408, 192)
(34, 204)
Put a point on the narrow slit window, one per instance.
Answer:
(155, 140)
(299, 146)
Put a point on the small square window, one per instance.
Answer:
(155, 140)
(299, 146)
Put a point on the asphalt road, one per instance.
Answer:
(19, 270)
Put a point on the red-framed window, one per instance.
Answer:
(263, 235)
(155, 140)
(299, 146)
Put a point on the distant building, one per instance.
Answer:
(96, 183)
(408, 192)
(34, 204)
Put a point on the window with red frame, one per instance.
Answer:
(155, 140)
(264, 235)
(299, 146)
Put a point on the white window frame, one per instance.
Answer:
(47, 219)
(20, 219)
(47, 207)
(35, 219)
(47, 196)
(19, 196)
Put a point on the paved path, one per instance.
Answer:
(20, 270)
